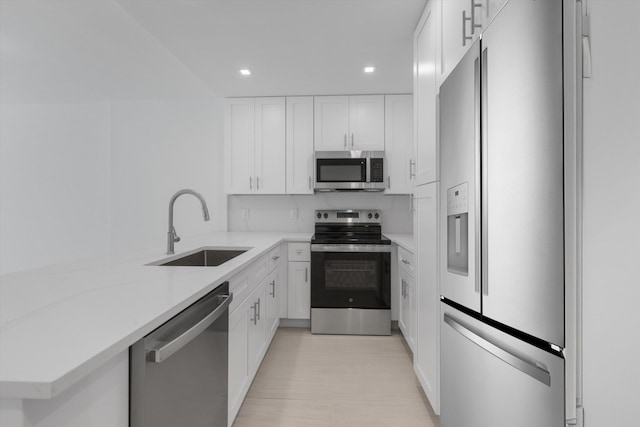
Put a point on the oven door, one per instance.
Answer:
(351, 276)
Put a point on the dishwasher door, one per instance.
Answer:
(178, 373)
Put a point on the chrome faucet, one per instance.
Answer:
(172, 237)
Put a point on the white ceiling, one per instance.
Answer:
(83, 50)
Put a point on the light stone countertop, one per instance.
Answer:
(61, 322)
(403, 239)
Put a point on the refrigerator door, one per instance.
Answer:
(492, 379)
(522, 169)
(459, 156)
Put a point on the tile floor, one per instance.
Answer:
(335, 381)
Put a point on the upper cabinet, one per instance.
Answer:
(300, 145)
(344, 123)
(426, 37)
(398, 129)
(462, 23)
(255, 145)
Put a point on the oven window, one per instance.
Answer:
(341, 170)
(351, 275)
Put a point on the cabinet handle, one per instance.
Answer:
(275, 257)
(473, 16)
(465, 37)
(257, 182)
(404, 292)
(411, 165)
(273, 288)
(388, 181)
(309, 182)
(345, 141)
(306, 274)
(258, 310)
(250, 183)
(255, 314)
(351, 140)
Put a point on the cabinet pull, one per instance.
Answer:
(388, 181)
(411, 165)
(309, 182)
(255, 314)
(250, 183)
(352, 141)
(473, 16)
(273, 288)
(306, 274)
(345, 141)
(275, 257)
(465, 37)
(258, 310)
(404, 289)
(257, 182)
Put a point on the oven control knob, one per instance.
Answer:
(326, 215)
(350, 299)
(319, 215)
(369, 215)
(376, 216)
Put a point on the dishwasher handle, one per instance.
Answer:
(162, 353)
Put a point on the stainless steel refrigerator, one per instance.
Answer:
(502, 217)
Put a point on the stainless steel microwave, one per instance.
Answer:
(349, 171)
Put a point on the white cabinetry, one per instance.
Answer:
(407, 315)
(427, 343)
(345, 123)
(255, 146)
(425, 149)
(253, 320)
(300, 145)
(299, 281)
(398, 129)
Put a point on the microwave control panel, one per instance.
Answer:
(377, 171)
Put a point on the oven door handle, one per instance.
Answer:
(350, 248)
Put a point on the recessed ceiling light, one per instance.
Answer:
(245, 72)
(369, 69)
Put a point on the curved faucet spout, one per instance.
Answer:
(172, 237)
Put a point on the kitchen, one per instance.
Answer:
(107, 110)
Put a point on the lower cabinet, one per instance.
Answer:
(252, 325)
(407, 314)
(299, 281)
(426, 358)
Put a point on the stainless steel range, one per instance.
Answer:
(350, 274)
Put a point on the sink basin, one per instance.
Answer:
(203, 257)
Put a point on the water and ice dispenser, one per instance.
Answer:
(458, 229)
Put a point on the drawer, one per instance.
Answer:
(299, 252)
(239, 287)
(405, 261)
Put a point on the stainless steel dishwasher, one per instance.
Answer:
(179, 372)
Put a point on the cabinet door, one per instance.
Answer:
(403, 319)
(238, 358)
(239, 145)
(300, 145)
(425, 140)
(427, 345)
(398, 119)
(458, 33)
(299, 291)
(331, 124)
(366, 123)
(272, 299)
(256, 336)
(270, 146)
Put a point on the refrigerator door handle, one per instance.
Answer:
(484, 197)
(476, 147)
(532, 368)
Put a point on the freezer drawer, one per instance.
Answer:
(491, 379)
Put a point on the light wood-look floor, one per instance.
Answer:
(335, 381)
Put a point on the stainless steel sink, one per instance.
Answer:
(203, 257)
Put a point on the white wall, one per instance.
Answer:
(159, 147)
(611, 280)
(273, 213)
(54, 183)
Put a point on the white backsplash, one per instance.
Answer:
(275, 213)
